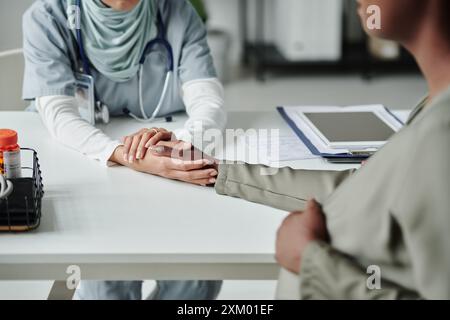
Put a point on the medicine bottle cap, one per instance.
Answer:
(8, 137)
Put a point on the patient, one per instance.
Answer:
(382, 232)
(393, 215)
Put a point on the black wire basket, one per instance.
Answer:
(21, 210)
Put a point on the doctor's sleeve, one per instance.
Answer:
(204, 101)
(285, 188)
(49, 80)
(61, 118)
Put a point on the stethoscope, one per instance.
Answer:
(101, 113)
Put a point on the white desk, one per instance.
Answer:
(117, 224)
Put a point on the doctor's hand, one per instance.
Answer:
(199, 172)
(297, 231)
(136, 145)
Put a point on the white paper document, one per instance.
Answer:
(281, 148)
(268, 149)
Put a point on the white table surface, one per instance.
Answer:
(117, 224)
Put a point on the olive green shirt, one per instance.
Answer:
(393, 213)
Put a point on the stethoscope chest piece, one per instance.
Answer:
(101, 113)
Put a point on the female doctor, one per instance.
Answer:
(113, 44)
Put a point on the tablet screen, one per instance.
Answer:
(351, 126)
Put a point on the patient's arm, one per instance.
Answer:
(196, 172)
(285, 189)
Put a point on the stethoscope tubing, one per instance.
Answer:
(145, 118)
(160, 39)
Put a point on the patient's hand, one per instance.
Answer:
(180, 150)
(297, 231)
(197, 172)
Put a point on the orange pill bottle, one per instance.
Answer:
(10, 165)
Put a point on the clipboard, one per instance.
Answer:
(349, 156)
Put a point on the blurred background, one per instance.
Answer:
(267, 53)
(271, 52)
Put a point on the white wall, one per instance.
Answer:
(225, 15)
(11, 68)
(11, 23)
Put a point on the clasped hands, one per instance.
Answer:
(157, 151)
